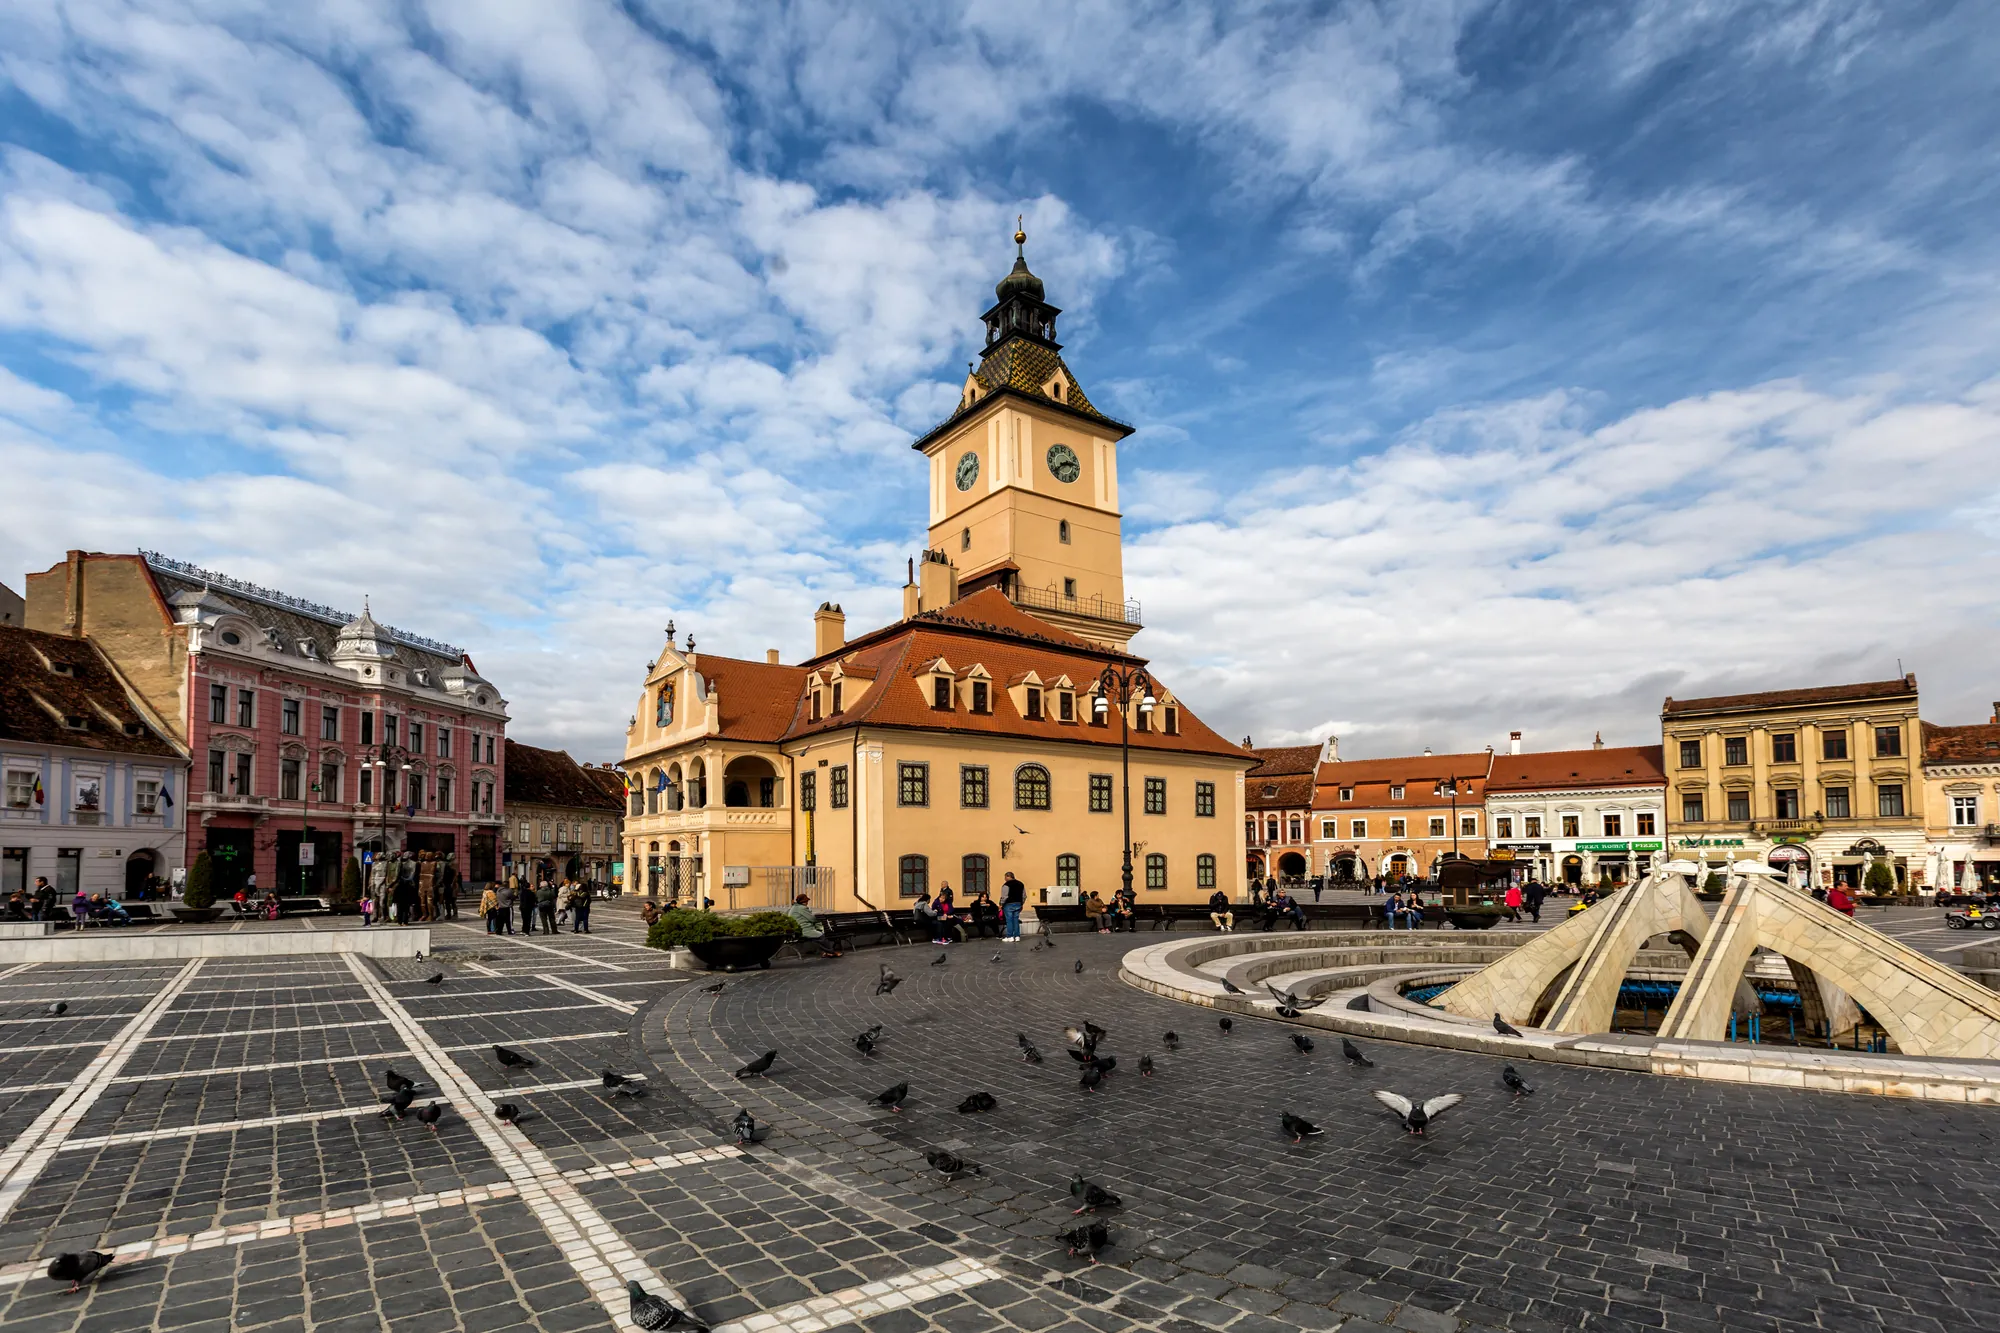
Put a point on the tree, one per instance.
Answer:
(1881, 880)
(200, 883)
(350, 882)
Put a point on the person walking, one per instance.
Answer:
(1013, 895)
(489, 907)
(1514, 901)
(579, 910)
(546, 901)
(1533, 898)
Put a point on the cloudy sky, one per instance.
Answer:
(1495, 365)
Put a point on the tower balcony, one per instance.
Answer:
(1090, 608)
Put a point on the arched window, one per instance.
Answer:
(913, 877)
(1069, 870)
(1156, 870)
(1031, 787)
(965, 540)
(1298, 829)
(1062, 531)
(636, 798)
(972, 875)
(1271, 829)
(1204, 871)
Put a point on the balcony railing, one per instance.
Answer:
(1094, 608)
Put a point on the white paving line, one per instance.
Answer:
(24, 1159)
(219, 1127)
(503, 1013)
(266, 1032)
(532, 1041)
(447, 993)
(530, 944)
(299, 1223)
(622, 1006)
(590, 1244)
(68, 1018)
(16, 970)
(869, 1299)
(482, 969)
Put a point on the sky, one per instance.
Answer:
(1495, 365)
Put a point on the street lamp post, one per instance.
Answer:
(1451, 787)
(1125, 683)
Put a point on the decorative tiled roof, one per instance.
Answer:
(1022, 366)
(550, 777)
(1613, 766)
(55, 690)
(1417, 775)
(1978, 743)
(1822, 694)
(295, 624)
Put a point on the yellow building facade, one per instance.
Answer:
(964, 741)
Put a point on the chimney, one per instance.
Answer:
(937, 581)
(73, 598)
(771, 656)
(829, 629)
(1513, 742)
(1597, 741)
(1996, 713)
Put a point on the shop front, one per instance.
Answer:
(1532, 860)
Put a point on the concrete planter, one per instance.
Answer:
(195, 915)
(730, 953)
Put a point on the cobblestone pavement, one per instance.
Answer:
(217, 1122)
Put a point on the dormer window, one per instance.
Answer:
(309, 650)
(135, 728)
(76, 722)
(1396, 793)
(836, 697)
(815, 705)
(232, 638)
(1172, 724)
(63, 669)
(941, 693)
(1034, 704)
(1065, 707)
(980, 697)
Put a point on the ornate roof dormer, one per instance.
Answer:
(362, 639)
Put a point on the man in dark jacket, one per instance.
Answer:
(545, 899)
(531, 903)
(1013, 895)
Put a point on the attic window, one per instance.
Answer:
(1173, 715)
(76, 722)
(979, 696)
(63, 668)
(941, 692)
(135, 729)
(1066, 708)
(232, 638)
(1034, 704)
(1056, 390)
(1270, 790)
(309, 650)
(965, 540)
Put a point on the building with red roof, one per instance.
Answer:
(1578, 816)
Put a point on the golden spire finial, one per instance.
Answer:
(1020, 236)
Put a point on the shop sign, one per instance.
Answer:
(1787, 839)
(1500, 854)
(1618, 847)
(1711, 842)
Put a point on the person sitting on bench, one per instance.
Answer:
(1219, 913)
(1280, 904)
(810, 930)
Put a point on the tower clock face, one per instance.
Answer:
(1062, 462)
(968, 470)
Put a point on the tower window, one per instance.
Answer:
(1069, 589)
(965, 540)
(1062, 531)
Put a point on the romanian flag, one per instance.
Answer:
(40, 795)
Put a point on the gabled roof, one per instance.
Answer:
(1416, 774)
(1820, 694)
(1285, 759)
(759, 699)
(1613, 766)
(37, 702)
(550, 777)
(1978, 743)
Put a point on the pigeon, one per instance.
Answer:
(892, 1097)
(887, 982)
(1504, 1028)
(1416, 1118)
(944, 956)
(996, 957)
(1303, 1042)
(77, 1269)
(397, 1082)
(57, 1010)
(649, 1311)
(1048, 941)
(507, 1113)
(1286, 1011)
(398, 1102)
(745, 1126)
(1021, 1040)
(949, 1164)
(1094, 1032)
(420, 955)
(716, 989)
(1354, 1055)
(512, 1059)
(1031, 1055)
(1232, 987)
(1145, 1066)
(865, 1042)
(1172, 1041)
(1091, 1077)
(434, 979)
(1512, 1079)
(1081, 1040)
(625, 1085)
(1094, 1196)
(1104, 1064)
(1298, 1126)
(1079, 967)
(1226, 1024)
(978, 1101)
(1087, 1240)
(759, 1067)
(430, 1114)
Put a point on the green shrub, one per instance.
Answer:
(1715, 883)
(350, 882)
(1881, 880)
(684, 926)
(200, 891)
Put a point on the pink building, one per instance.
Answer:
(308, 728)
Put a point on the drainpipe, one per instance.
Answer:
(854, 821)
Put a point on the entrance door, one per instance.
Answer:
(1573, 870)
(319, 879)
(484, 847)
(138, 866)
(229, 852)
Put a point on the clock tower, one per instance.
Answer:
(1024, 476)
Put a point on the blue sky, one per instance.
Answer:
(1496, 365)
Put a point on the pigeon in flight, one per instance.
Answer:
(944, 956)
(1504, 1028)
(1287, 1000)
(977, 1102)
(1087, 1240)
(716, 989)
(1226, 1024)
(512, 1059)
(429, 1115)
(623, 1085)
(434, 979)
(653, 1312)
(892, 1097)
(758, 1067)
(1079, 967)
(57, 1010)
(864, 1042)
(1232, 987)
(1298, 1126)
(1047, 941)
(507, 1113)
(887, 982)
(1172, 1041)
(397, 1103)
(1081, 1040)
(1145, 1066)
(397, 1082)
(1514, 1083)
(1090, 1078)
(1093, 1195)
(77, 1269)
(745, 1126)
(1303, 1043)
(1417, 1118)
(1354, 1055)
(949, 1164)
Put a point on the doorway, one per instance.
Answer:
(1572, 870)
(139, 866)
(230, 854)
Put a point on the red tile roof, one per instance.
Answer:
(37, 704)
(1978, 743)
(759, 699)
(1288, 791)
(1418, 775)
(1613, 766)
(1285, 759)
(1821, 694)
(550, 777)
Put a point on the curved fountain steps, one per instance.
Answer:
(1337, 966)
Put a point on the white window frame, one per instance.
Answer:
(23, 781)
(1968, 806)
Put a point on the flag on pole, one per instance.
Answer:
(166, 798)
(40, 795)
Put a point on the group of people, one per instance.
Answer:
(411, 888)
(554, 903)
(947, 921)
(1121, 913)
(43, 903)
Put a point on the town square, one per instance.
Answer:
(1141, 667)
